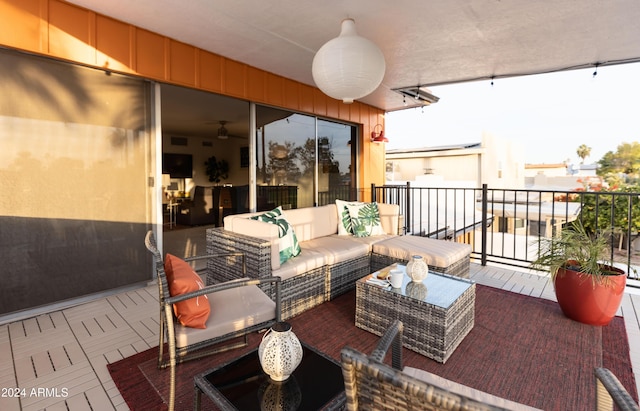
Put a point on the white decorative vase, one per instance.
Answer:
(280, 351)
(417, 269)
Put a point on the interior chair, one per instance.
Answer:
(224, 203)
(238, 308)
(200, 210)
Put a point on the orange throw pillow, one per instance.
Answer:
(182, 279)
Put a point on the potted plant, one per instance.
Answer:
(588, 287)
(217, 170)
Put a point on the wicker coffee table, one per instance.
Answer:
(437, 314)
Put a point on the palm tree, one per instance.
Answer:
(583, 152)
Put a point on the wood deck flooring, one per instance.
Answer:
(57, 361)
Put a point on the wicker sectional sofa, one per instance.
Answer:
(328, 265)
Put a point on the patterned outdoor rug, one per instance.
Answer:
(521, 348)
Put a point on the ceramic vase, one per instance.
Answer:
(417, 269)
(280, 351)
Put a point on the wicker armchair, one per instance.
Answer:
(610, 391)
(186, 343)
(370, 384)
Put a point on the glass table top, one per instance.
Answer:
(316, 382)
(437, 289)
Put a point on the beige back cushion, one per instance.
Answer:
(313, 222)
(230, 219)
(259, 229)
(308, 223)
(389, 217)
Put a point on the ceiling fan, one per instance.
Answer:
(223, 133)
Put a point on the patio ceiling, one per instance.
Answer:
(424, 42)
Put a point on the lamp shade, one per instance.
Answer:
(348, 67)
(380, 138)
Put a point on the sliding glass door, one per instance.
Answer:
(336, 156)
(74, 170)
(302, 161)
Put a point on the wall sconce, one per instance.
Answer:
(378, 137)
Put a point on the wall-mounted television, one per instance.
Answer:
(177, 165)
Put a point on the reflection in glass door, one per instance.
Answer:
(302, 161)
(336, 174)
(286, 158)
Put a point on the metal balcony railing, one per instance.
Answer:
(503, 225)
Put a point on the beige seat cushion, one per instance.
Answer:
(465, 391)
(438, 253)
(336, 250)
(307, 260)
(368, 241)
(231, 310)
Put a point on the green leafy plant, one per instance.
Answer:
(368, 216)
(611, 208)
(217, 170)
(575, 249)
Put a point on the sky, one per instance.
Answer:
(550, 114)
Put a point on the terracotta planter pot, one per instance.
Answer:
(583, 301)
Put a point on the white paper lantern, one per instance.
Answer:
(348, 67)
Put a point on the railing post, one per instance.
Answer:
(629, 219)
(373, 192)
(407, 208)
(483, 260)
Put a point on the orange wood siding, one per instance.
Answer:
(72, 33)
(306, 99)
(256, 80)
(274, 86)
(233, 79)
(319, 102)
(23, 25)
(182, 63)
(150, 55)
(58, 29)
(114, 45)
(210, 71)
